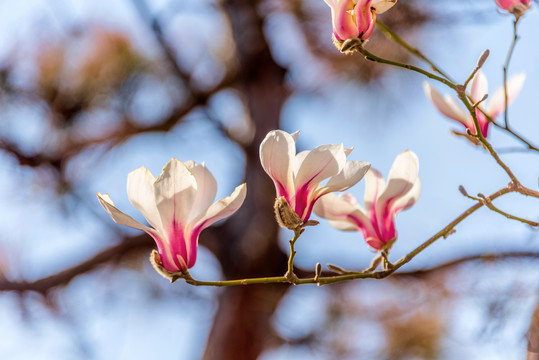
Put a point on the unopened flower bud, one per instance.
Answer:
(285, 215)
(157, 264)
(483, 58)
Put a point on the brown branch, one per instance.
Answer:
(107, 256)
(483, 258)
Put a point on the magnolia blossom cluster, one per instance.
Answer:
(355, 19)
(178, 204)
(449, 107)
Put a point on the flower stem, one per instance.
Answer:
(506, 69)
(369, 56)
(290, 276)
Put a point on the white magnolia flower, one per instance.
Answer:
(178, 206)
(297, 177)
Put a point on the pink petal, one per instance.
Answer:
(365, 18)
(344, 26)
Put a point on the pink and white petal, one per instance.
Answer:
(119, 217)
(381, 6)
(277, 152)
(497, 102)
(175, 191)
(402, 177)
(348, 151)
(206, 188)
(447, 108)
(222, 208)
(141, 194)
(374, 186)
(333, 207)
(343, 225)
(478, 86)
(408, 199)
(362, 223)
(319, 164)
(375, 243)
(365, 18)
(351, 174)
(462, 116)
(343, 23)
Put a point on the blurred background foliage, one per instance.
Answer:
(92, 90)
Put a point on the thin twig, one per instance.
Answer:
(414, 51)
(491, 206)
(506, 69)
(369, 56)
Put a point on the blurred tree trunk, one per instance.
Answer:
(533, 336)
(241, 328)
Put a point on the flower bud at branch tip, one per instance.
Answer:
(285, 215)
(483, 58)
(463, 191)
(317, 271)
(155, 260)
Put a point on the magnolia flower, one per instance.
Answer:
(356, 18)
(382, 202)
(516, 7)
(178, 206)
(448, 106)
(297, 177)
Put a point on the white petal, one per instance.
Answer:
(175, 191)
(295, 136)
(374, 186)
(479, 86)
(223, 208)
(381, 6)
(402, 177)
(497, 102)
(119, 217)
(141, 194)
(352, 172)
(277, 152)
(463, 117)
(409, 199)
(298, 160)
(333, 207)
(319, 164)
(206, 188)
(445, 106)
(343, 225)
(348, 151)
